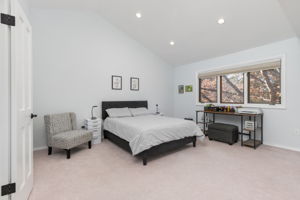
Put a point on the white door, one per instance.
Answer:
(21, 104)
(4, 100)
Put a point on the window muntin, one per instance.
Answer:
(208, 90)
(232, 88)
(264, 86)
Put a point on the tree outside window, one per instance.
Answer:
(264, 86)
(208, 90)
(232, 88)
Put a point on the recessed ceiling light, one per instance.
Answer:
(172, 43)
(221, 21)
(138, 15)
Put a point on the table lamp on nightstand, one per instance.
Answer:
(92, 112)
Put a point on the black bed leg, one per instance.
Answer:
(90, 144)
(49, 150)
(144, 161)
(68, 153)
(194, 142)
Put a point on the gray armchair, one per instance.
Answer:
(62, 132)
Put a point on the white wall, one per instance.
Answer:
(25, 6)
(280, 125)
(76, 53)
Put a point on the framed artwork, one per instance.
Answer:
(116, 82)
(134, 84)
(180, 89)
(188, 88)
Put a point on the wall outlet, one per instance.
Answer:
(297, 131)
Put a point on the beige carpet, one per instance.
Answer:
(211, 171)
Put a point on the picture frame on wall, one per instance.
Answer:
(188, 88)
(116, 82)
(134, 84)
(180, 89)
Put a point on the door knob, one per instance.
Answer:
(33, 115)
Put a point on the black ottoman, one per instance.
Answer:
(223, 132)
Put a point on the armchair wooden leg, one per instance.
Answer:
(90, 144)
(49, 150)
(68, 153)
(144, 161)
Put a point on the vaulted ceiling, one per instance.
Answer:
(292, 11)
(192, 24)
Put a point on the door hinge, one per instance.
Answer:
(8, 19)
(8, 189)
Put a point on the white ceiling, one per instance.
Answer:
(292, 10)
(192, 24)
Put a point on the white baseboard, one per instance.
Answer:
(283, 147)
(39, 148)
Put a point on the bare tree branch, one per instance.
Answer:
(233, 86)
(205, 97)
(271, 87)
(258, 79)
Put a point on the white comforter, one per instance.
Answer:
(144, 132)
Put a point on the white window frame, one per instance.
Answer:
(240, 66)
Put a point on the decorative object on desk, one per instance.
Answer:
(210, 107)
(249, 125)
(116, 82)
(157, 112)
(180, 89)
(229, 109)
(134, 84)
(232, 109)
(188, 88)
(94, 125)
(92, 112)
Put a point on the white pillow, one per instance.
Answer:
(118, 112)
(139, 111)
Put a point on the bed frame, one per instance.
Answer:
(159, 149)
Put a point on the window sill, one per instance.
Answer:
(263, 106)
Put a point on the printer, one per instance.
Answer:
(250, 110)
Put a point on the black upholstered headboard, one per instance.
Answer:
(121, 104)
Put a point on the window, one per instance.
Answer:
(264, 86)
(232, 88)
(252, 85)
(208, 90)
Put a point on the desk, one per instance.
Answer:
(254, 143)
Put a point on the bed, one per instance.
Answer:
(147, 135)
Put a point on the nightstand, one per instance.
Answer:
(94, 125)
